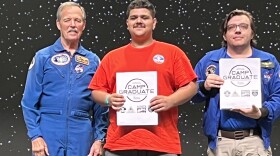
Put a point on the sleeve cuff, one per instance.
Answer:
(202, 88)
(35, 133)
(264, 112)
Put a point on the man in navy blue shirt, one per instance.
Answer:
(238, 131)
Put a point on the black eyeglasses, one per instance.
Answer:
(241, 26)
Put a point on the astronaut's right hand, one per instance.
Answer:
(39, 147)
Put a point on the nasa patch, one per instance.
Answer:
(159, 59)
(79, 68)
(210, 70)
(60, 59)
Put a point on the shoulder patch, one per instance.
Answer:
(210, 70)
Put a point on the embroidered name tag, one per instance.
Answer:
(267, 65)
(82, 60)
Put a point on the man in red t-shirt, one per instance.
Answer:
(176, 85)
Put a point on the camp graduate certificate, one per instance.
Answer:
(138, 88)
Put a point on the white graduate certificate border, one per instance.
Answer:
(138, 88)
(242, 83)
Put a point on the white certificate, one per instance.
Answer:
(242, 85)
(138, 88)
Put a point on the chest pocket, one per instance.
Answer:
(58, 64)
(83, 71)
(83, 74)
(83, 67)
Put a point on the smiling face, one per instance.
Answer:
(71, 24)
(140, 24)
(239, 32)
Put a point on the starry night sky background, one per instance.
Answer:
(29, 25)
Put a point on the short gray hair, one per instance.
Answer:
(67, 4)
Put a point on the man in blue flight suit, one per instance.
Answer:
(238, 131)
(57, 104)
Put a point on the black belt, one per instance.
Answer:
(239, 134)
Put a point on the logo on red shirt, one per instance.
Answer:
(159, 59)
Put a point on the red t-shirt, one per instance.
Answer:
(174, 71)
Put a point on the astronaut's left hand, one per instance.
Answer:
(96, 149)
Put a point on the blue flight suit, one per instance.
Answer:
(270, 85)
(57, 103)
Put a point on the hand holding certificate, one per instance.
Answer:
(242, 83)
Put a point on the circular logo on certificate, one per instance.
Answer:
(240, 76)
(136, 90)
